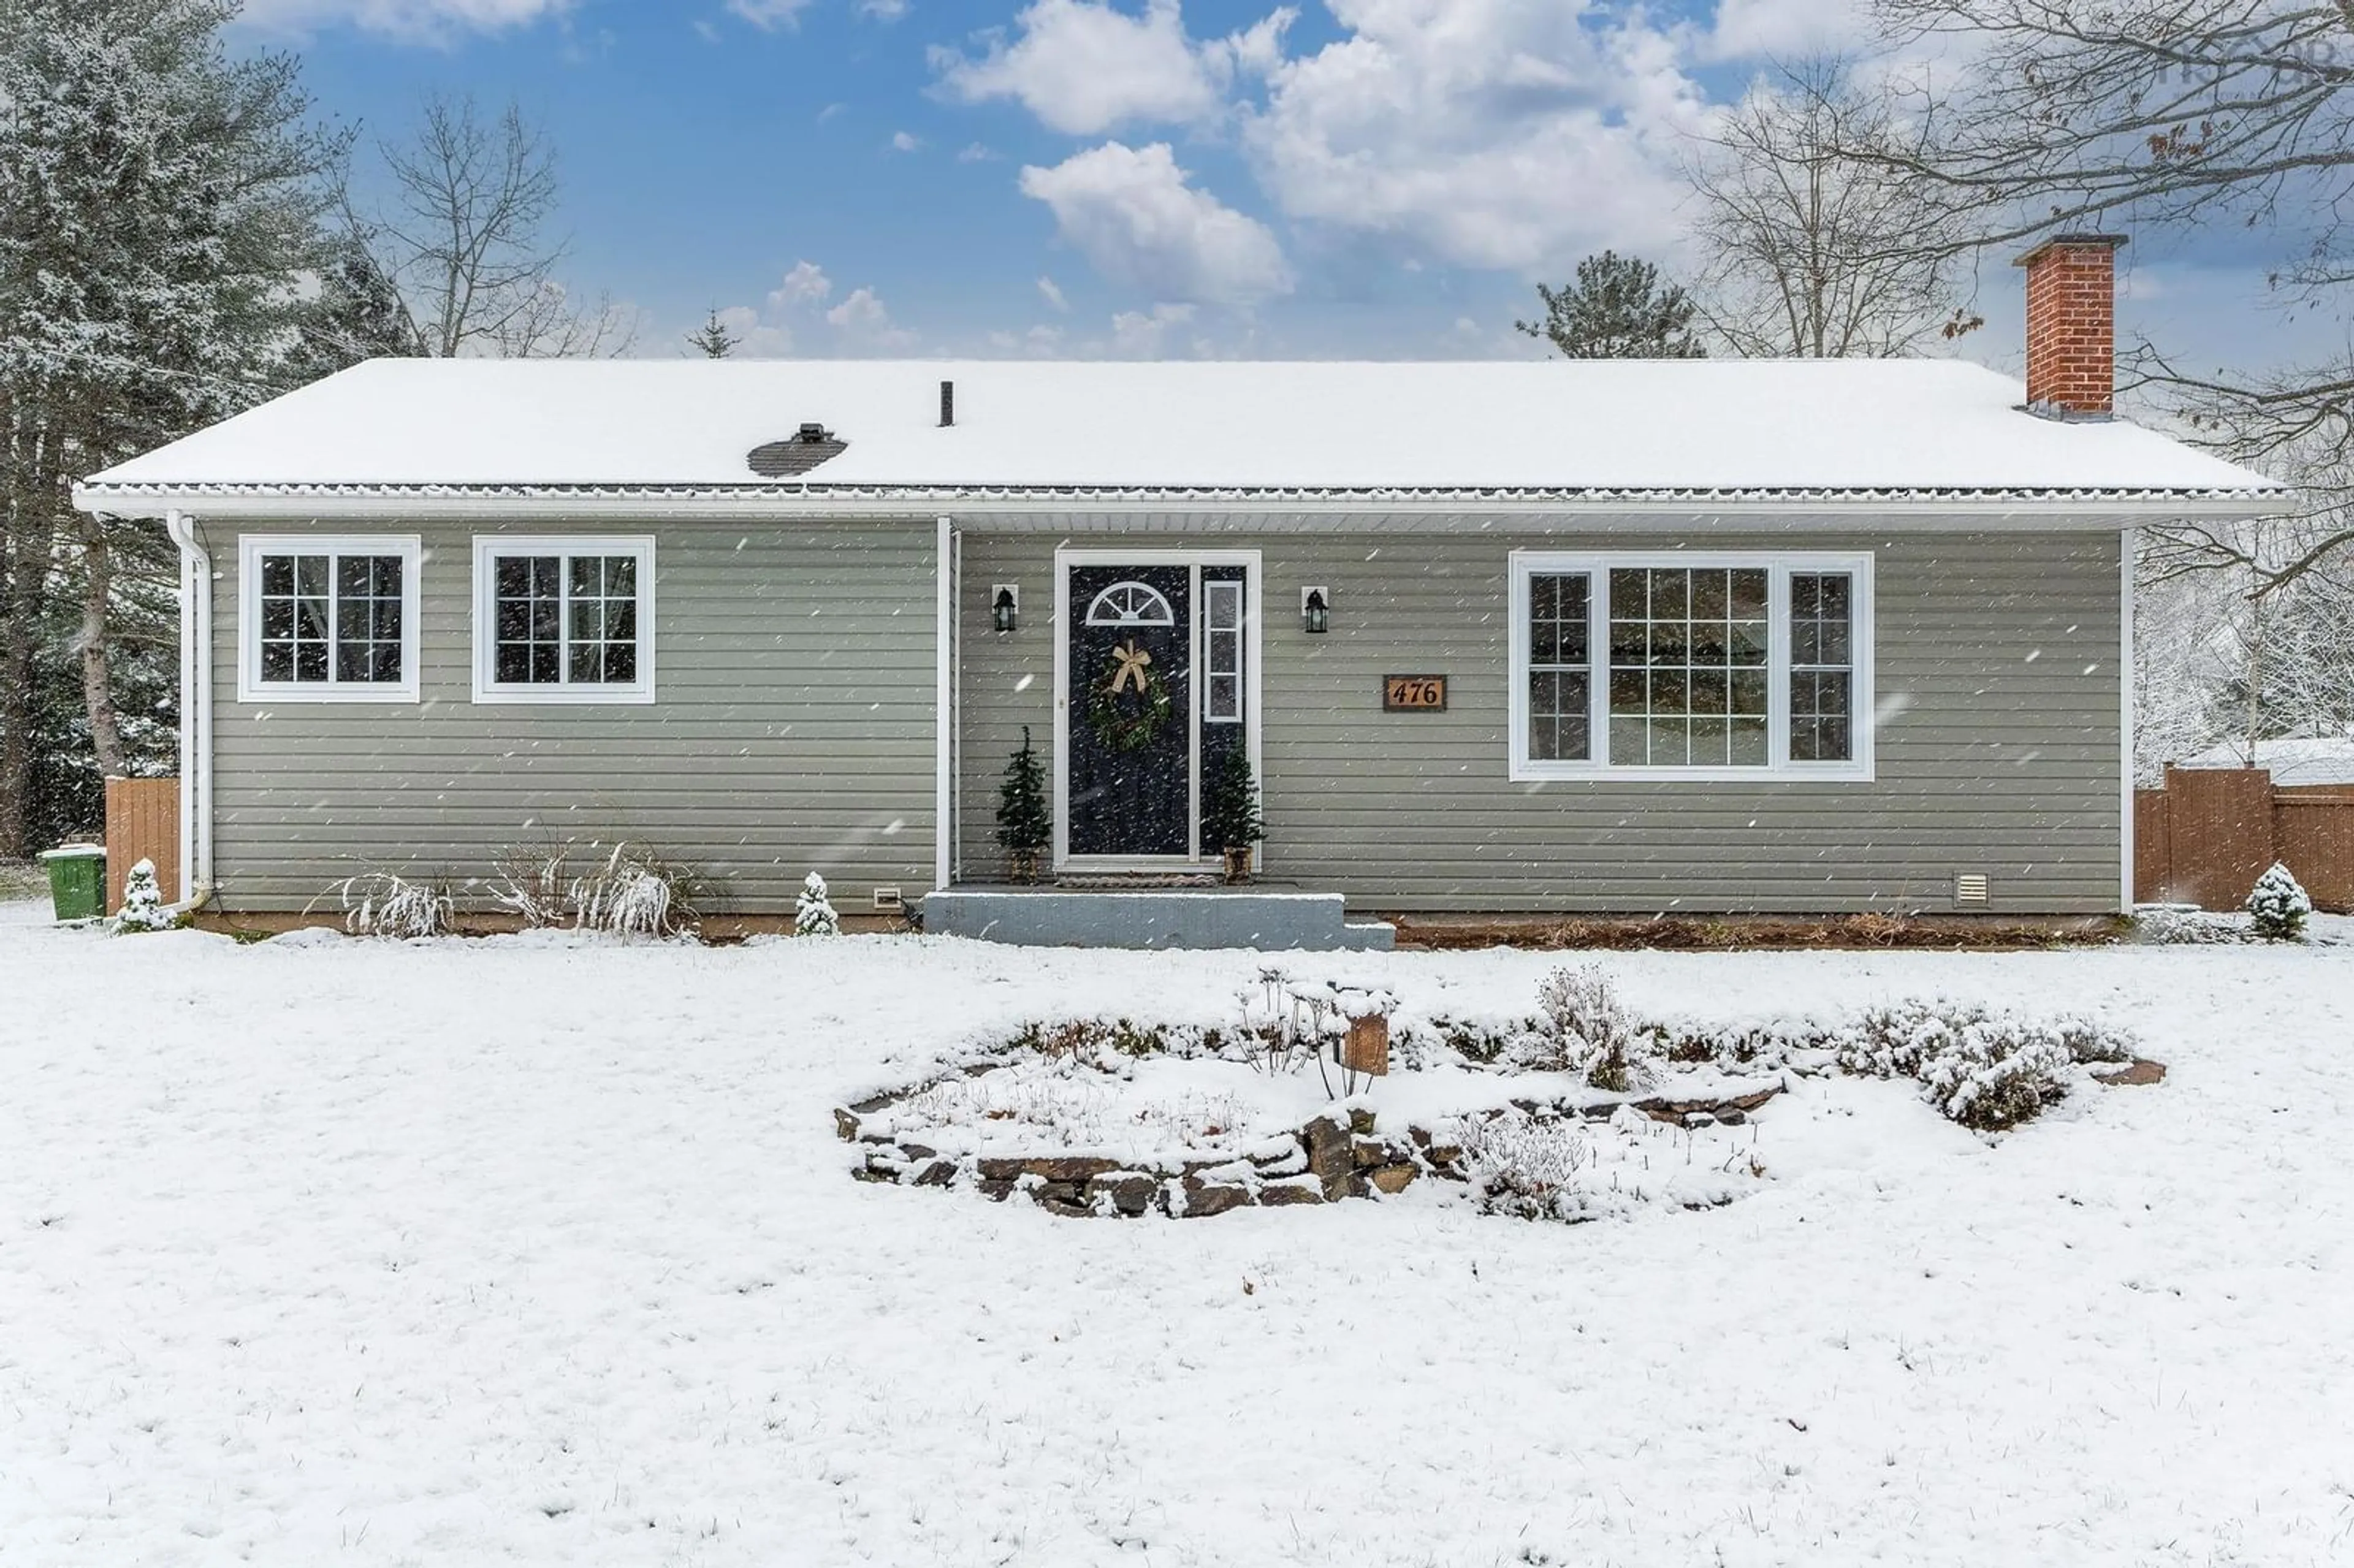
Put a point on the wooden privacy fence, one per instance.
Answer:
(143, 822)
(2206, 836)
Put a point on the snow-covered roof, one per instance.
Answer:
(2292, 759)
(1584, 427)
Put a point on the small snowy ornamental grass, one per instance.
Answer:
(381, 904)
(634, 894)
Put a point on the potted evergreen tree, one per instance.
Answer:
(1024, 823)
(1230, 817)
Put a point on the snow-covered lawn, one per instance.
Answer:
(473, 1252)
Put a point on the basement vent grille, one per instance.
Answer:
(1969, 887)
(888, 901)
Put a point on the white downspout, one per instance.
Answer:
(2130, 548)
(943, 704)
(196, 710)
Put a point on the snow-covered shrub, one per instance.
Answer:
(2186, 925)
(1519, 1165)
(1987, 1071)
(813, 914)
(1592, 1033)
(2277, 907)
(533, 881)
(384, 904)
(634, 894)
(142, 902)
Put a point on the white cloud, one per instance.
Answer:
(1085, 67)
(905, 141)
(1757, 29)
(977, 152)
(1052, 292)
(859, 324)
(1142, 334)
(806, 284)
(417, 20)
(1131, 214)
(769, 16)
(1495, 133)
(861, 311)
(883, 10)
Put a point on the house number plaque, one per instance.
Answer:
(1414, 694)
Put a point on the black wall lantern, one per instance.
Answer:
(1005, 607)
(1315, 610)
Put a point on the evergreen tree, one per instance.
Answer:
(713, 339)
(142, 902)
(1618, 308)
(1025, 824)
(1230, 812)
(2278, 906)
(158, 205)
(356, 316)
(813, 913)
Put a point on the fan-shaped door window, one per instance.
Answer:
(1130, 604)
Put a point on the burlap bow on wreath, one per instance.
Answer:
(1122, 722)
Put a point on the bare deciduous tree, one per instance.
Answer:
(1812, 250)
(2175, 112)
(463, 240)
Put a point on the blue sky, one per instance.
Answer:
(1378, 178)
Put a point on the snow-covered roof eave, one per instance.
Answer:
(1331, 506)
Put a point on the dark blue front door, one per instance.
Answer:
(1131, 711)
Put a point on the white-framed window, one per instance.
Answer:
(1130, 604)
(1683, 664)
(1222, 652)
(327, 619)
(564, 619)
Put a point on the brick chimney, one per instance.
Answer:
(2072, 325)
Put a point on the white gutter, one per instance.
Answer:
(1890, 511)
(196, 709)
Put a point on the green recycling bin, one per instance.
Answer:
(77, 880)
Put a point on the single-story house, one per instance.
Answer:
(1600, 636)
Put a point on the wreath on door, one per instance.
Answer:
(1127, 705)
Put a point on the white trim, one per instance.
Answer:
(2129, 558)
(1860, 768)
(490, 691)
(1067, 556)
(943, 697)
(1158, 610)
(252, 547)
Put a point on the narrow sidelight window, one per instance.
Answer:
(1222, 630)
(563, 619)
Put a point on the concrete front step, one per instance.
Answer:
(1045, 918)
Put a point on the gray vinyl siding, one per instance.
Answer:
(792, 729)
(1997, 679)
